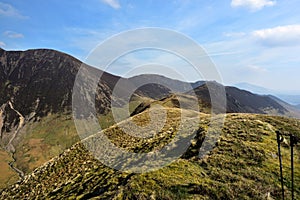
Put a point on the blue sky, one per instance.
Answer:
(254, 41)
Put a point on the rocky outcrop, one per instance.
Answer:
(39, 82)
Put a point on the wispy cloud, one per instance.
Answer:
(225, 53)
(2, 44)
(8, 10)
(113, 3)
(234, 34)
(256, 68)
(12, 34)
(253, 5)
(279, 36)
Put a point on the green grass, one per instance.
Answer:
(107, 120)
(42, 140)
(45, 140)
(243, 165)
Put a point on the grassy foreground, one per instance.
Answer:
(243, 165)
(41, 140)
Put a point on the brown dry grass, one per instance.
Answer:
(7, 175)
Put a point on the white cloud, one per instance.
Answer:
(113, 3)
(2, 44)
(9, 11)
(279, 36)
(12, 34)
(253, 5)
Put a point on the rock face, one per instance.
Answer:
(35, 82)
(39, 82)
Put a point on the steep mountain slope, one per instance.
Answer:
(291, 97)
(254, 88)
(293, 111)
(242, 101)
(36, 86)
(38, 82)
(243, 165)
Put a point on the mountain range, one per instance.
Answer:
(291, 97)
(36, 125)
(38, 82)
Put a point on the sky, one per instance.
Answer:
(253, 41)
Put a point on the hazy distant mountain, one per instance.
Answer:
(293, 99)
(254, 88)
(293, 111)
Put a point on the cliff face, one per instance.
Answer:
(38, 82)
(35, 82)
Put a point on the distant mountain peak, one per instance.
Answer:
(254, 88)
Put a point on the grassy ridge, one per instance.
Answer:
(39, 141)
(243, 165)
